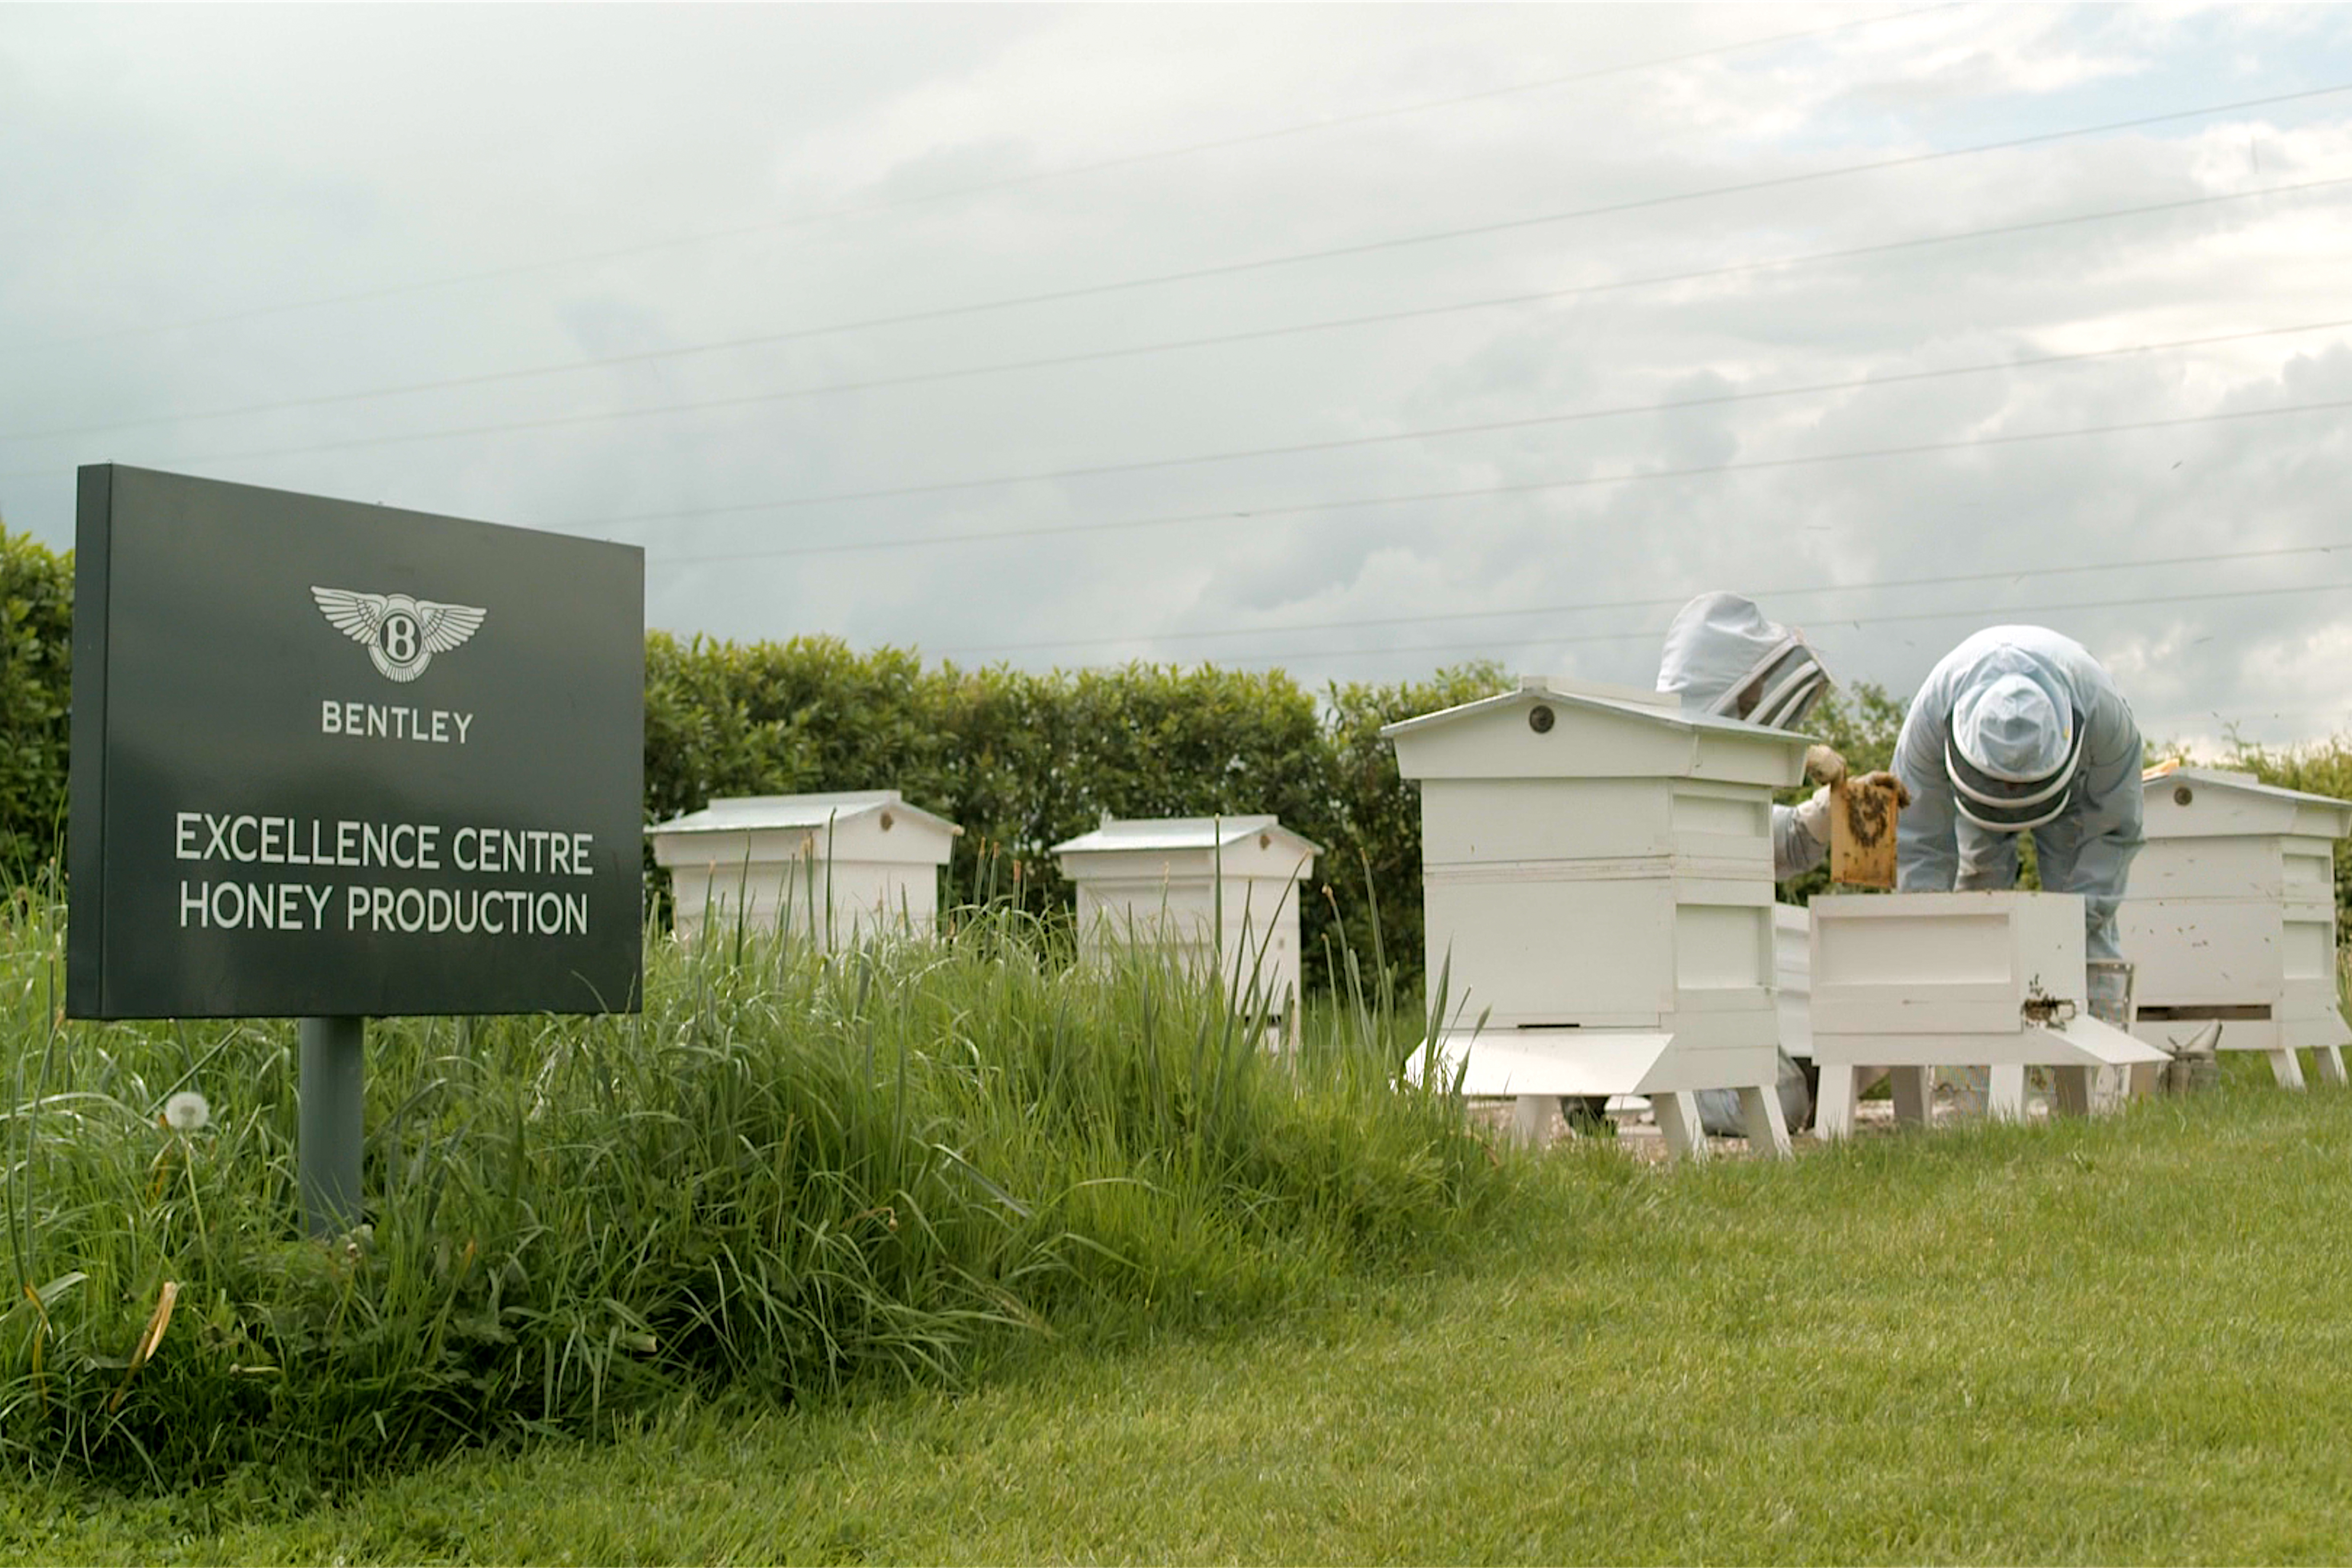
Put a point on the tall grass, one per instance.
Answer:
(789, 1173)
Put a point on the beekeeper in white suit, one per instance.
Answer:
(1723, 657)
(2016, 731)
(2019, 730)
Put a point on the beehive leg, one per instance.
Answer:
(1767, 1124)
(1833, 1107)
(2070, 1090)
(2285, 1068)
(2005, 1093)
(1531, 1119)
(2329, 1060)
(1910, 1094)
(1678, 1115)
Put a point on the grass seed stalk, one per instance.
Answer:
(792, 1171)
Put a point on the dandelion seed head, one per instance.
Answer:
(186, 1112)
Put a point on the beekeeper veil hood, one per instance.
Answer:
(1724, 657)
(2014, 749)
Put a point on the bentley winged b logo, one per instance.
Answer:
(401, 633)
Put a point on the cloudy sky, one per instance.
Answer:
(1355, 341)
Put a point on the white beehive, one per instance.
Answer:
(1793, 979)
(1910, 980)
(1597, 880)
(1183, 882)
(831, 865)
(2230, 917)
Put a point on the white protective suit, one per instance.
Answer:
(2019, 730)
(1724, 658)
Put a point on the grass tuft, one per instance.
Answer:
(790, 1173)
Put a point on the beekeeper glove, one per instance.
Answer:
(1824, 765)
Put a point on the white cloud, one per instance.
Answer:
(172, 166)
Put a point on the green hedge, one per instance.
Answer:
(36, 686)
(1022, 761)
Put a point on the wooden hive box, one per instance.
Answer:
(833, 866)
(1186, 883)
(2230, 917)
(1597, 880)
(1910, 980)
(1793, 979)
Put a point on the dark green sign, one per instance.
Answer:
(332, 759)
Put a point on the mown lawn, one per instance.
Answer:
(2124, 1341)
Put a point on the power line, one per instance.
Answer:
(1302, 509)
(2132, 603)
(862, 209)
(1226, 269)
(1666, 601)
(794, 334)
(1703, 274)
(1534, 421)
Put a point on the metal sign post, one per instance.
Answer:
(329, 1127)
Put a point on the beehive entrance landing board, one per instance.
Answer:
(1597, 883)
(2229, 918)
(1911, 981)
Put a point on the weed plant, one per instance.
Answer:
(790, 1172)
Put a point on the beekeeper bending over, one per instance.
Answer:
(2019, 730)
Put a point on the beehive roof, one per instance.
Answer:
(2219, 803)
(762, 812)
(1175, 833)
(1656, 707)
(2231, 779)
